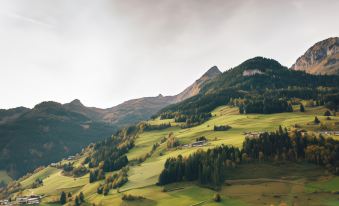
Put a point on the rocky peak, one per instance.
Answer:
(212, 72)
(321, 58)
(194, 89)
(76, 102)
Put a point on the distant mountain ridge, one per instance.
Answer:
(50, 131)
(321, 58)
(33, 137)
(135, 110)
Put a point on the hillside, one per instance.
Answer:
(254, 81)
(321, 58)
(258, 134)
(269, 138)
(248, 184)
(28, 135)
(64, 129)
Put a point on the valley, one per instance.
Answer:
(248, 184)
(257, 134)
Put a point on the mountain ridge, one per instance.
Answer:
(135, 110)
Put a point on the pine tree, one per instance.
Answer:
(217, 198)
(63, 198)
(327, 113)
(316, 120)
(69, 194)
(82, 197)
(302, 108)
(77, 201)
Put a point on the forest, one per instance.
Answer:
(210, 167)
(269, 92)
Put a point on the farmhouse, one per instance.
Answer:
(336, 133)
(199, 143)
(33, 201)
(28, 200)
(71, 158)
(21, 200)
(4, 202)
(252, 135)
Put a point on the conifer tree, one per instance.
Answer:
(63, 198)
(302, 108)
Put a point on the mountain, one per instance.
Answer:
(28, 135)
(194, 89)
(7, 115)
(256, 80)
(48, 132)
(137, 165)
(321, 58)
(136, 110)
(90, 112)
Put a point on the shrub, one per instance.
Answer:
(316, 120)
(222, 128)
(302, 108)
(131, 197)
(217, 198)
(327, 113)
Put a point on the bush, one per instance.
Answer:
(222, 128)
(327, 113)
(217, 198)
(316, 120)
(131, 197)
(302, 108)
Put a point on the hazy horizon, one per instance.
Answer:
(106, 52)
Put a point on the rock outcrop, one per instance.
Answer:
(322, 58)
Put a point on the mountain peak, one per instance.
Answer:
(321, 58)
(212, 72)
(76, 102)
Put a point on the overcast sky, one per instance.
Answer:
(104, 52)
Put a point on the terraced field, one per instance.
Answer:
(257, 184)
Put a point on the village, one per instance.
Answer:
(23, 200)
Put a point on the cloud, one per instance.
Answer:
(107, 51)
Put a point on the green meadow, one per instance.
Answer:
(4, 177)
(248, 184)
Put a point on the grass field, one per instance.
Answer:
(4, 177)
(248, 184)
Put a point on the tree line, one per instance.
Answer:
(210, 167)
(110, 154)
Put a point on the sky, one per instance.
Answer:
(105, 52)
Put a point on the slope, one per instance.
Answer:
(136, 110)
(48, 128)
(267, 185)
(321, 58)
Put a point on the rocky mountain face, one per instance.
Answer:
(321, 58)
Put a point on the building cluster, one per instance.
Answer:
(252, 135)
(71, 158)
(23, 200)
(197, 144)
(336, 133)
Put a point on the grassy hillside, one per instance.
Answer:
(45, 134)
(4, 177)
(249, 184)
